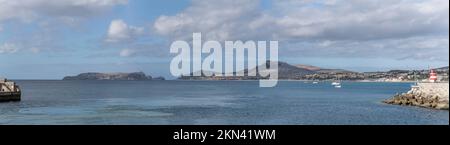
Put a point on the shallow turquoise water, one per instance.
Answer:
(211, 102)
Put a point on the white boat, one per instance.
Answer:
(315, 82)
(335, 83)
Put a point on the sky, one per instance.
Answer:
(50, 39)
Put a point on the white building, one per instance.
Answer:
(6, 86)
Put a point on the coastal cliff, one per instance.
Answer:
(110, 76)
(428, 95)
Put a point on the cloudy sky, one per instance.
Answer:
(48, 39)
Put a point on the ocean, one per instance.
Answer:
(212, 103)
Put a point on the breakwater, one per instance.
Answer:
(428, 95)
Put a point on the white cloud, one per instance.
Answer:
(29, 10)
(362, 20)
(429, 48)
(308, 19)
(120, 31)
(337, 28)
(52, 18)
(127, 52)
(217, 20)
(8, 48)
(143, 50)
(35, 50)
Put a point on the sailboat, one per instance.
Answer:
(337, 83)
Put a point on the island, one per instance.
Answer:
(134, 76)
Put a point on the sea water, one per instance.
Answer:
(212, 102)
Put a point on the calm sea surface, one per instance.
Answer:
(211, 102)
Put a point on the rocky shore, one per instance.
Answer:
(428, 95)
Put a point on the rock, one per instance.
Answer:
(415, 102)
(429, 95)
(442, 106)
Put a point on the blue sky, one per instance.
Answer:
(49, 39)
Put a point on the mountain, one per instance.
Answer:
(285, 71)
(322, 70)
(308, 67)
(110, 76)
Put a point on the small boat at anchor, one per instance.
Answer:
(335, 83)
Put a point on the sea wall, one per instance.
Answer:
(429, 95)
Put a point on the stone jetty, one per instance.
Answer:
(428, 95)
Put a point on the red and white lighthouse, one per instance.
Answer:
(433, 76)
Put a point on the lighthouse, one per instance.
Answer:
(433, 76)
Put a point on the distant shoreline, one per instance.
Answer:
(285, 80)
